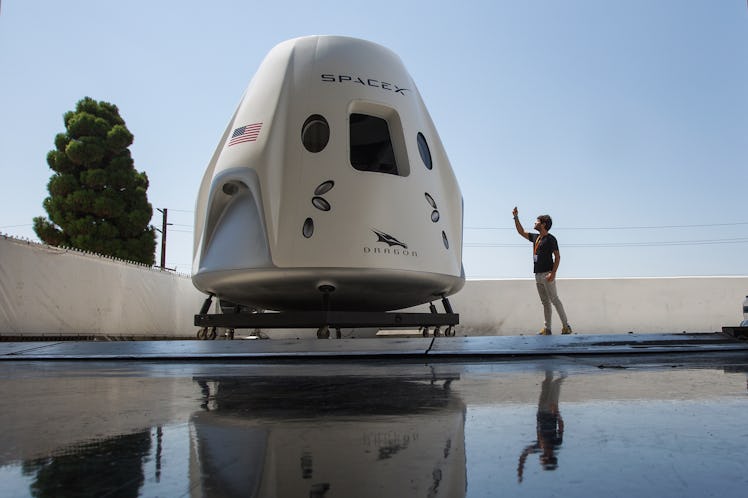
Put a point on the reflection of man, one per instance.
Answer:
(550, 426)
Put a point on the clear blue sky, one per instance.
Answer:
(612, 116)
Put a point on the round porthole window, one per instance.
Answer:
(423, 149)
(315, 133)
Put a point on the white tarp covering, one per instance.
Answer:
(48, 290)
(604, 305)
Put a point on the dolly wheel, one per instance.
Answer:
(425, 331)
(450, 332)
(437, 331)
(212, 334)
(323, 332)
(202, 333)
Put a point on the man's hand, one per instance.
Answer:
(518, 225)
(551, 276)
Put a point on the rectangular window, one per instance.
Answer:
(371, 145)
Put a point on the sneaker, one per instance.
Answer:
(545, 332)
(566, 329)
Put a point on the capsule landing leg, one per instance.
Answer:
(450, 332)
(324, 331)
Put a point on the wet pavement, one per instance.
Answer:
(561, 419)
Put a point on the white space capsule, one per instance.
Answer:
(330, 177)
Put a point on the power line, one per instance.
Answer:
(626, 244)
(653, 227)
(600, 245)
(16, 226)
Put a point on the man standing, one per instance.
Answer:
(546, 258)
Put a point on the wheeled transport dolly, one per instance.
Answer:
(325, 320)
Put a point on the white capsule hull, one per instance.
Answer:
(330, 176)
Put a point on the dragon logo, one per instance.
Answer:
(388, 239)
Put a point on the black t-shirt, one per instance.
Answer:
(549, 429)
(544, 252)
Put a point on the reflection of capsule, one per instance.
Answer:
(330, 173)
(269, 427)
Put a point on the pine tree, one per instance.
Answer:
(97, 200)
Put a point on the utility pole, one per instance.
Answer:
(164, 224)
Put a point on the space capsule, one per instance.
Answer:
(330, 187)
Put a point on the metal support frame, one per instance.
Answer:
(736, 332)
(331, 318)
(326, 319)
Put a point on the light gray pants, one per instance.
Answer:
(550, 391)
(548, 294)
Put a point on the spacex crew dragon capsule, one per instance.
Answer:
(330, 187)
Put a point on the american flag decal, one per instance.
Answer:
(246, 133)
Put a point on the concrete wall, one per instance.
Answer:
(50, 291)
